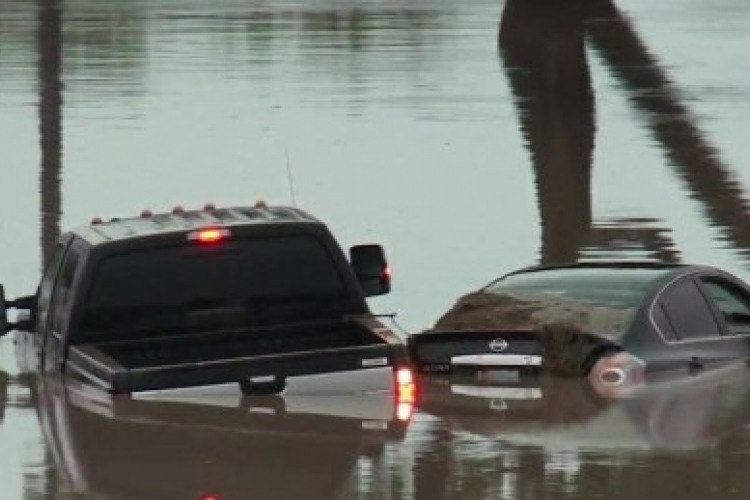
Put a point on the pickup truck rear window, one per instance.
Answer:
(230, 284)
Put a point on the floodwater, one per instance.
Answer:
(470, 138)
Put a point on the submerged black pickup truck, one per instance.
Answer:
(241, 300)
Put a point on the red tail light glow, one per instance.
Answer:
(404, 411)
(406, 389)
(404, 377)
(209, 235)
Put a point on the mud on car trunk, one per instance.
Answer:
(553, 336)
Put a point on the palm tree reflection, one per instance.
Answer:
(49, 44)
(695, 159)
(543, 50)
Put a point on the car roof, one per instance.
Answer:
(622, 273)
(607, 264)
(183, 221)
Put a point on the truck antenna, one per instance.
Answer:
(290, 178)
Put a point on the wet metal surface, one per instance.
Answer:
(470, 138)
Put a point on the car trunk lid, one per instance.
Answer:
(551, 349)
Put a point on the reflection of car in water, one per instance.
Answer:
(563, 413)
(611, 321)
(265, 447)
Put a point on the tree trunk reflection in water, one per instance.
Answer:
(49, 46)
(542, 48)
(696, 160)
(49, 43)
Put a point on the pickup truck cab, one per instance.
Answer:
(241, 300)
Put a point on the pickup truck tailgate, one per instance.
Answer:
(260, 360)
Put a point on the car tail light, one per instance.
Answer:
(617, 374)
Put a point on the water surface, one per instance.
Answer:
(469, 138)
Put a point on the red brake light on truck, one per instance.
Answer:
(404, 412)
(404, 377)
(406, 393)
(406, 388)
(210, 235)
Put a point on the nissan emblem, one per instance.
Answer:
(498, 345)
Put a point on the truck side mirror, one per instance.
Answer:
(3, 313)
(25, 320)
(371, 268)
(25, 302)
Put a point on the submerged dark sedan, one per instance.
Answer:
(614, 322)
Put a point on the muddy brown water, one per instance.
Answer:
(470, 138)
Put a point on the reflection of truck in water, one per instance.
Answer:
(244, 300)
(269, 447)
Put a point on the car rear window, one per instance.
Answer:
(601, 301)
(248, 282)
(610, 287)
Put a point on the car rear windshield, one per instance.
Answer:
(230, 284)
(612, 287)
(598, 301)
